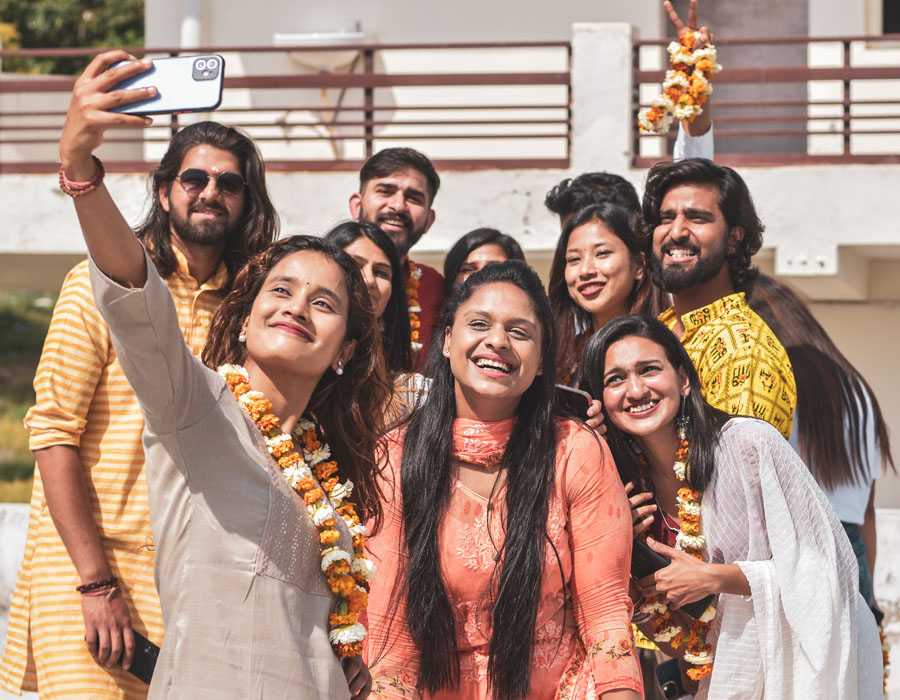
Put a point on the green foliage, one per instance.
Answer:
(70, 24)
(24, 319)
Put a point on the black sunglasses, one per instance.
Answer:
(194, 181)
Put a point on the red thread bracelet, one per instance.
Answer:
(77, 189)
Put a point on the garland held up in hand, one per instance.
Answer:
(686, 87)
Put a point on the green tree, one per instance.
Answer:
(55, 24)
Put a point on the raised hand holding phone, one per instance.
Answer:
(90, 114)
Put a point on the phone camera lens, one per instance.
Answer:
(200, 64)
(211, 63)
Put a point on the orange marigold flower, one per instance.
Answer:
(687, 40)
(289, 459)
(312, 496)
(329, 537)
(338, 620)
(342, 585)
(280, 449)
(306, 484)
(338, 568)
(357, 600)
(329, 484)
(240, 389)
(699, 672)
(268, 422)
(325, 469)
(346, 650)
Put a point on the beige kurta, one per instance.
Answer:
(84, 401)
(244, 601)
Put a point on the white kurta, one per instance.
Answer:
(804, 631)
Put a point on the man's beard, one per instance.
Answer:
(402, 245)
(677, 278)
(206, 232)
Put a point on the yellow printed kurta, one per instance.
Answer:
(744, 369)
(84, 400)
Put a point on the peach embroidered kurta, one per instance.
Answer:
(583, 643)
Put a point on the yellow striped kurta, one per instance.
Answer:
(84, 400)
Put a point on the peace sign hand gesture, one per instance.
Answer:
(706, 36)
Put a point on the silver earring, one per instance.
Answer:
(242, 337)
(683, 421)
(340, 368)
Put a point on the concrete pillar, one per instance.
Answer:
(601, 97)
(191, 35)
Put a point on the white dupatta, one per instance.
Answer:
(804, 631)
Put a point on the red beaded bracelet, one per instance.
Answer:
(97, 585)
(77, 189)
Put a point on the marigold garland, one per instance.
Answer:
(686, 87)
(412, 301)
(323, 496)
(697, 653)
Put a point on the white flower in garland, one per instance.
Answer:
(364, 567)
(347, 634)
(332, 555)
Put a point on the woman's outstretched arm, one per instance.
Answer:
(110, 240)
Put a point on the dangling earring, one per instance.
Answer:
(242, 337)
(683, 421)
(340, 368)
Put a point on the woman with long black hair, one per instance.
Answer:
(380, 266)
(598, 273)
(505, 549)
(738, 515)
(839, 429)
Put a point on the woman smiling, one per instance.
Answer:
(598, 273)
(259, 552)
(729, 502)
(506, 538)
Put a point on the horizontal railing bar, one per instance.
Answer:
(755, 133)
(780, 74)
(342, 108)
(774, 159)
(138, 166)
(144, 50)
(742, 41)
(364, 122)
(775, 118)
(332, 80)
(329, 137)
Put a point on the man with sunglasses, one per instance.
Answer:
(209, 212)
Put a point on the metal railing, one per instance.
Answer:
(351, 113)
(831, 100)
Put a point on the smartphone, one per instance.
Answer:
(572, 403)
(144, 660)
(644, 561)
(183, 84)
(668, 676)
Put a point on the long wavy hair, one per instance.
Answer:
(395, 319)
(348, 408)
(529, 462)
(704, 421)
(474, 239)
(574, 324)
(258, 225)
(834, 401)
